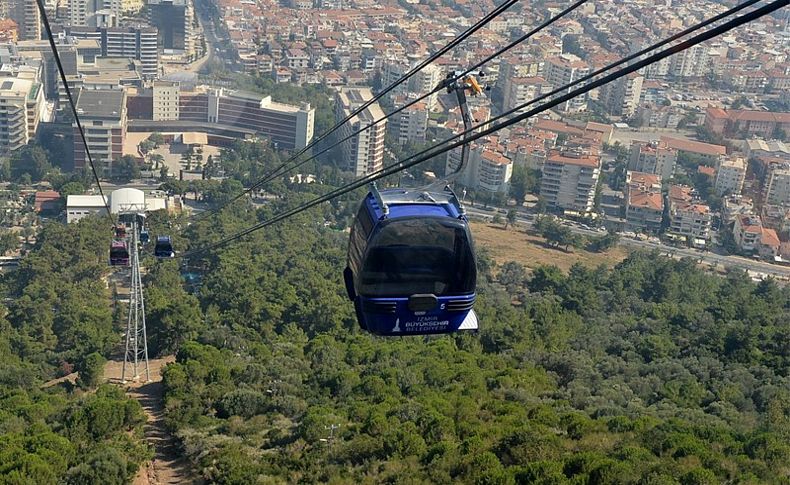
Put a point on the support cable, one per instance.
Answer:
(73, 105)
(282, 168)
(432, 152)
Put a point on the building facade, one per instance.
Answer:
(166, 104)
(103, 117)
(21, 108)
(730, 175)
(127, 42)
(653, 157)
(569, 181)
(363, 153)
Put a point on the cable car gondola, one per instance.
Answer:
(144, 236)
(119, 253)
(411, 264)
(164, 247)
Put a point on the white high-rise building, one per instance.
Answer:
(569, 181)
(21, 108)
(165, 101)
(730, 174)
(94, 13)
(364, 152)
(653, 157)
(564, 69)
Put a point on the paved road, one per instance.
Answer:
(707, 257)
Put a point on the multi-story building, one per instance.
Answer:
(564, 69)
(621, 97)
(747, 123)
(128, 42)
(569, 181)
(653, 157)
(692, 62)
(520, 90)
(688, 217)
(21, 107)
(173, 20)
(751, 236)
(94, 13)
(222, 111)
(704, 151)
(777, 185)
(103, 117)
(27, 17)
(487, 168)
(644, 206)
(165, 105)
(364, 152)
(411, 124)
(730, 174)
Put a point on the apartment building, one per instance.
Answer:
(564, 69)
(751, 236)
(621, 97)
(698, 149)
(103, 117)
(364, 152)
(166, 104)
(654, 157)
(688, 217)
(521, 90)
(777, 185)
(94, 13)
(27, 17)
(692, 62)
(644, 205)
(730, 174)
(411, 124)
(21, 108)
(487, 168)
(127, 42)
(569, 181)
(422, 82)
(173, 20)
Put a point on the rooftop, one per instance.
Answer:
(694, 146)
(101, 103)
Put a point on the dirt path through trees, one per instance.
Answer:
(168, 466)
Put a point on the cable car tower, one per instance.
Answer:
(136, 350)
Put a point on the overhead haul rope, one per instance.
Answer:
(282, 169)
(468, 137)
(73, 105)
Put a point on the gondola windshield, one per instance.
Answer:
(419, 256)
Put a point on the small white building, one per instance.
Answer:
(121, 200)
(79, 206)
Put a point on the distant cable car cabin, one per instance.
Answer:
(164, 248)
(145, 237)
(119, 253)
(411, 264)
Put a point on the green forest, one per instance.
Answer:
(56, 318)
(651, 372)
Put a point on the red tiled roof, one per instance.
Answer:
(646, 199)
(694, 146)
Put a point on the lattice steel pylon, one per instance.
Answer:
(136, 353)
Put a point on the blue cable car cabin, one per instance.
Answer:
(411, 264)
(119, 253)
(144, 236)
(164, 247)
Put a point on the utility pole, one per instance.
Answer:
(136, 353)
